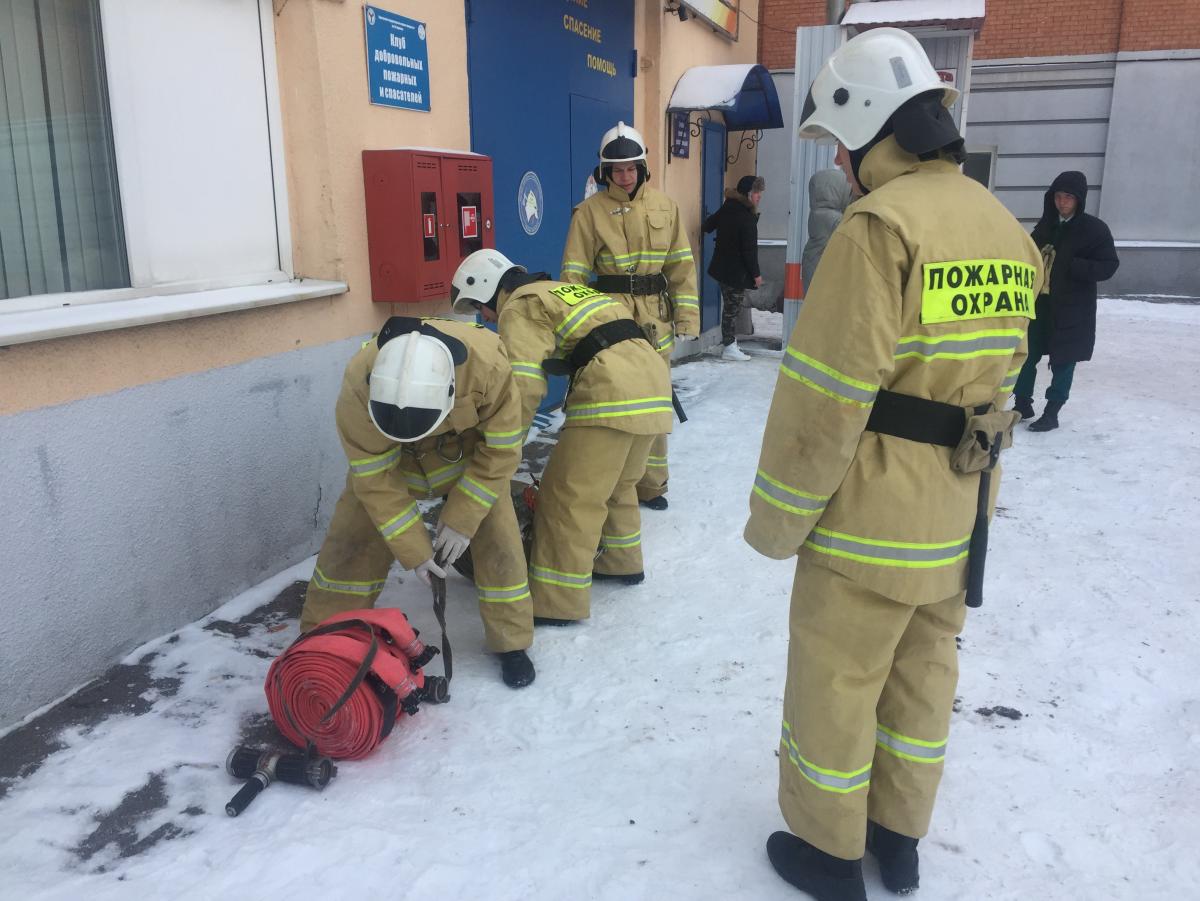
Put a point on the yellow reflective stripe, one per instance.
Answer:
(827, 380)
(647, 254)
(504, 439)
(476, 492)
(989, 343)
(576, 266)
(787, 498)
(1010, 380)
(503, 594)
(684, 253)
(435, 478)
(881, 552)
(908, 748)
(838, 781)
(401, 522)
(369, 466)
(631, 540)
(558, 577)
(346, 586)
(665, 343)
(610, 409)
(528, 369)
(581, 315)
(687, 300)
(653, 462)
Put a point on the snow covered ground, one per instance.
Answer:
(642, 763)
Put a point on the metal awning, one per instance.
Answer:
(744, 93)
(953, 14)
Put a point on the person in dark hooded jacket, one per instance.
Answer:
(735, 258)
(1079, 252)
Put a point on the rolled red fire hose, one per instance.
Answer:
(340, 688)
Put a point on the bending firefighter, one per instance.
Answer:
(630, 237)
(877, 465)
(618, 401)
(429, 409)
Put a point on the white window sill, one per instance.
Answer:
(63, 321)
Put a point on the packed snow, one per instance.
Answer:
(642, 762)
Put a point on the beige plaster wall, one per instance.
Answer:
(327, 122)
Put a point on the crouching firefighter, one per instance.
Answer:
(882, 427)
(429, 409)
(631, 238)
(619, 399)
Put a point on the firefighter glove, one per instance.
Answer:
(427, 570)
(448, 544)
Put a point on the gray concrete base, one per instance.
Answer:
(1156, 270)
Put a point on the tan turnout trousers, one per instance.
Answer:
(587, 501)
(870, 685)
(353, 565)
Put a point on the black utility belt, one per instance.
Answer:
(918, 419)
(631, 284)
(600, 338)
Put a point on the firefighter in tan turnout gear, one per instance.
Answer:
(619, 399)
(429, 409)
(884, 425)
(629, 237)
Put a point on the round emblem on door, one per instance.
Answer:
(531, 204)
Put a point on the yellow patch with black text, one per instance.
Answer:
(573, 294)
(960, 290)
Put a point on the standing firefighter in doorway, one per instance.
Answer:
(619, 399)
(876, 465)
(429, 409)
(631, 238)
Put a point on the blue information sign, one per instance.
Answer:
(397, 60)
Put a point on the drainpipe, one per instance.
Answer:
(833, 10)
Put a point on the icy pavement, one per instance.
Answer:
(642, 764)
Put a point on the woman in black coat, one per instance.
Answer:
(735, 259)
(1079, 252)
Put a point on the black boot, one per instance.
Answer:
(897, 856)
(1024, 406)
(516, 668)
(656, 503)
(825, 877)
(1049, 418)
(551, 621)
(623, 578)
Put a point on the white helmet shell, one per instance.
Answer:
(864, 82)
(478, 278)
(622, 144)
(412, 386)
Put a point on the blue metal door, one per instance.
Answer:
(712, 194)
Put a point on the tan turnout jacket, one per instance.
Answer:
(625, 387)
(613, 235)
(471, 457)
(926, 288)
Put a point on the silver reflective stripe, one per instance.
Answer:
(503, 595)
(398, 524)
(503, 439)
(826, 779)
(439, 478)
(371, 465)
(656, 462)
(557, 577)
(620, 541)
(894, 553)
(620, 408)
(958, 346)
(910, 748)
(839, 387)
(1010, 380)
(475, 491)
(577, 316)
(320, 580)
(529, 370)
(774, 490)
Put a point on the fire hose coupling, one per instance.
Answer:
(436, 690)
(261, 768)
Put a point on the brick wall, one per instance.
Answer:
(778, 21)
(1016, 28)
(1160, 25)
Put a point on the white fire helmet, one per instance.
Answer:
(412, 383)
(477, 279)
(864, 82)
(622, 144)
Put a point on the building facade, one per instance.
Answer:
(1100, 86)
(185, 266)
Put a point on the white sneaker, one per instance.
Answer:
(733, 353)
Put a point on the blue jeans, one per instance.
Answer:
(1061, 375)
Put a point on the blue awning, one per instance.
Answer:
(744, 93)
